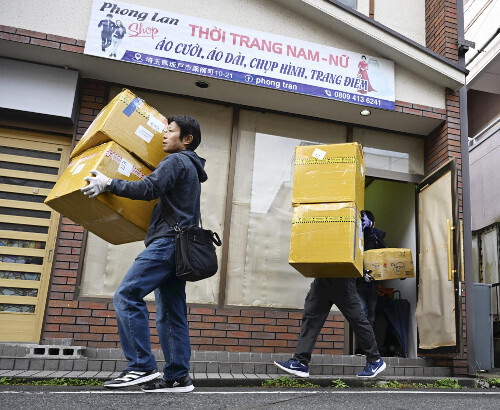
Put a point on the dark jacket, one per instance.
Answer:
(374, 238)
(176, 181)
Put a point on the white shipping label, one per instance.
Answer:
(125, 168)
(319, 154)
(78, 169)
(143, 133)
(156, 124)
(76, 164)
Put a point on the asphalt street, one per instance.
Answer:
(45, 397)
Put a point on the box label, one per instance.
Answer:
(155, 123)
(129, 109)
(125, 167)
(78, 169)
(319, 154)
(144, 134)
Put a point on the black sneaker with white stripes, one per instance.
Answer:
(131, 378)
(182, 385)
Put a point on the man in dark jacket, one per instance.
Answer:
(108, 26)
(325, 292)
(176, 182)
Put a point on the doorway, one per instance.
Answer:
(393, 205)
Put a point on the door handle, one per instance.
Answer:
(449, 228)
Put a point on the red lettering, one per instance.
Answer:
(138, 30)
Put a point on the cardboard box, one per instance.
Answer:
(329, 173)
(327, 240)
(131, 123)
(115, 219)
(389, 263)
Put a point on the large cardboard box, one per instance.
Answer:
(389, 263)
(115, 219)
(131, 123)
(327, 240)
(329, 173)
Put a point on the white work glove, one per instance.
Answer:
(97, 185)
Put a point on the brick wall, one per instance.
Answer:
(441, 27)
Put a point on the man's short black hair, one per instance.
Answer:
(369, 214)
(188, 126)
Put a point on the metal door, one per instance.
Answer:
(30, 164)
(439, 306)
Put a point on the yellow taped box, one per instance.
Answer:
(131, 123)
(115, 219)
(389, 263)
(329, 173)
(327, 240)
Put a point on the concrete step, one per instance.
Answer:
(31, 358)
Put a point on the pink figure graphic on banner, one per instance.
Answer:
(363, 75)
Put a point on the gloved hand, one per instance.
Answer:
(367, 277)
(97, 184)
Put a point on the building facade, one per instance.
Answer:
(58, 279)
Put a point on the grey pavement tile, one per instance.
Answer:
(94, 365)
(235, 368)
(13, 373)
(22, 350)
(198, 376)
(271, 369)
(46, 373)
(74, 374)
(251, 376)
(338, 370)
(419, 371)
(239, 376)
(234, 357)
(409, 371)
(336, 359)
(349, 370)
(60, 373)
(120, 366)
(6, 364)
(108, 366)
(213, 367)
(22, 364)
(213, 375)
(9, 350)
(29, 373)
(359, 360)
(248, 368)
(399, 371)
(92, 353)
(226, 376)
(225, 367)
(389, 371)
(262, 376)
(114, 375)
(217, 356)
(66, 364)
(256, 357)
(260, 368)
(245, 356)
(88, 375)
(199, 367)
(347, 360)
(36, 364)
(103, 375)
(267, 357)
(325, 369)
(51, 365)
(80, 364)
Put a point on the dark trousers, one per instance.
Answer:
(368, 295)
(323, 294)
(105, 39)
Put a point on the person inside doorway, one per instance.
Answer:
(176, 182)
(367, 287)
(323, 294)
(108, 26)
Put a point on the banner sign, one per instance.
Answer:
(172, 41)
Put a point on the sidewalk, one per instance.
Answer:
(28, 361)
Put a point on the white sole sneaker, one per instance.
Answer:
(379, 370)
(126, 381)
(291, 371)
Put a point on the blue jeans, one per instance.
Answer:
(154, 269)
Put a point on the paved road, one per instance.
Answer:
(38, 397)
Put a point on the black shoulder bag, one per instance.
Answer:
(195, 257)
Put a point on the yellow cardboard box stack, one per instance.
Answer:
(131, 123)
(389, 263)
(328, 195)
(115, 219)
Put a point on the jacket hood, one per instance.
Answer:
(198, 162)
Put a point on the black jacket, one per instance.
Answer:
(374, 238)
(176, 181)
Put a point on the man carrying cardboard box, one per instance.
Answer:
(323, 294)
(175, 181)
